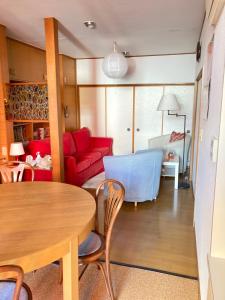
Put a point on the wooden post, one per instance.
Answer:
(54, 100)
(4, 78)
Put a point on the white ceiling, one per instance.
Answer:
(142, 27)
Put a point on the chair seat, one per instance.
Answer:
(92, 243)
(7, 290)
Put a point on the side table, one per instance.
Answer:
(171, 167)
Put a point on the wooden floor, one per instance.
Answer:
(158, 235)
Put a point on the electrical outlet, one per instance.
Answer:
(4, 151)
(201, 135)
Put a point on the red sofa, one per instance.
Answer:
(83, 155)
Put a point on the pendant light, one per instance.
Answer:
(115, 64)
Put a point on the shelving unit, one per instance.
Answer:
(26, 130)
(27, 101)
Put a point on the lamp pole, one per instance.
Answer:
(183, 184)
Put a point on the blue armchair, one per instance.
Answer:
(139, 173)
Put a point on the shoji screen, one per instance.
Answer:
(147, 121)
(185, 96)
(120, 118)
(92, 109)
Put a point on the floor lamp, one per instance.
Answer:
(170, 103)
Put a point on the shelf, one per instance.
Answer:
(29, 121)
(27, 83)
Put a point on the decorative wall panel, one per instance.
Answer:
(27, 102)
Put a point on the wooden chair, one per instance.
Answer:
(12, 286)
(12, 171)
(97, 246)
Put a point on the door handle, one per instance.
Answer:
(138, 129)
(128, 129)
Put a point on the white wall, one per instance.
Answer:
(149, 69)
(210, 128)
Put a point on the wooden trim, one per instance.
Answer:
(216, 10)
(77, 102)
(199, 75)
(203, 21)
(106, 127)
(194, 117)
(27, 83)
(143, 55)
(133, 119)
(136, 85)
(54, 99)
(4, 78)
(62, 85)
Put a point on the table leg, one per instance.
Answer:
(70, 273)
(176, 176)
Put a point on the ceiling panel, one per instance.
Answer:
(143, 27)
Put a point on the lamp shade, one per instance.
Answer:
(16, 149)
(115, 64)
(168, 102)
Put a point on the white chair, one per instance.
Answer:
(162, 142)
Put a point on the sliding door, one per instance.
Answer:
(120, 118)
(147, 121)
(92, 109)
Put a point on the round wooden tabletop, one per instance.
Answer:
(39, 219)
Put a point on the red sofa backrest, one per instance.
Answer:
(82, 139)
(69, 148)
(44, 147)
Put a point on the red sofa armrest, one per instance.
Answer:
(98, 142)
(70, 165)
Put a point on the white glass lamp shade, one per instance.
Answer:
(168, 102)
(115, 64)
(16, 149)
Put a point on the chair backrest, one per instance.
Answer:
(12, 171)
(13, 272)
(115, 193)
(139, 173)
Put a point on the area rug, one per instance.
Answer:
(128, 283)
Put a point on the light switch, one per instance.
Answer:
(214, 150)
(4, 151)
(200, 134)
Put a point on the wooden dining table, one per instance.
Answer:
(41, 222)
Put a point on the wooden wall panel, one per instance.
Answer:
(68, 93)
(26, 63)
(70, 106)
(4, 78)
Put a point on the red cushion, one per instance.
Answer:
(103, 150)
(42, 146)
(68, 144)
(82, 139)
(83, 165)
(176, 136)
(93, 156)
